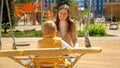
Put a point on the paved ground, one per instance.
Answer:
(109, 58)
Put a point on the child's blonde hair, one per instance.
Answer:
(49, 27)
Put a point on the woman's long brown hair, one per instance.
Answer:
(67, 19)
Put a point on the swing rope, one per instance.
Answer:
(87, 41)
(8, 10)
(1, 22)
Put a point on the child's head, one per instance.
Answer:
(49, 27)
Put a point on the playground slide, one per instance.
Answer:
(19, 13)
(24, 9)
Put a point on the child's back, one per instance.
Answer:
(51, 41)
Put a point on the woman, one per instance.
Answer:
(65, 27)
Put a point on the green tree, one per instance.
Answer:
(85, 13)
(24, 1)
(5, 20)
(74, 1)
(61, 2)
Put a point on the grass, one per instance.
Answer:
(33, 33)
(22, 34)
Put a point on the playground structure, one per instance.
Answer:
(49, 57)
(30, 11)
(35, 11)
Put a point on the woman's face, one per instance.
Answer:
(63, 14)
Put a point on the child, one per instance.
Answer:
(49, 35)
(51, 41)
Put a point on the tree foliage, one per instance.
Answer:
(61, 2)
(5, 19)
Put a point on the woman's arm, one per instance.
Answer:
(65, 45)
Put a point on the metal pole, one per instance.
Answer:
(111, 10)
(1, 22)
(41, 11)
(87, 41)
(8, 10)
